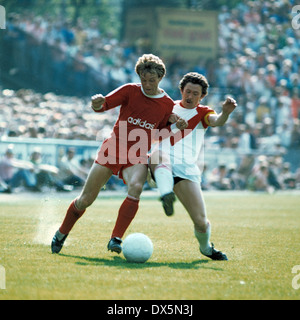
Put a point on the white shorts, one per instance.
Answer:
(187, 172)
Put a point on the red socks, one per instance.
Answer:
(127, 212)
(73, 214)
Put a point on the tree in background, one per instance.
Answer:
(106, 11)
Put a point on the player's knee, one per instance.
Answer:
(84, 201)
(201, 225)
(135, 189)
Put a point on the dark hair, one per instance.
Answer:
(195, 78)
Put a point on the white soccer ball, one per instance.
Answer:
(137, 247)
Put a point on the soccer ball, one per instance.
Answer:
(137, 247)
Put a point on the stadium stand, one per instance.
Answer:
(258, 64)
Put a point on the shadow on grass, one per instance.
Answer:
(122, 263)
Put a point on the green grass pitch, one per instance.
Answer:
(260, 234)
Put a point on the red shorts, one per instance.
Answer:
(116, 168)
(117, 162)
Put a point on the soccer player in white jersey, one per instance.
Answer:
(183, 150)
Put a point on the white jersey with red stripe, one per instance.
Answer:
(185, 147)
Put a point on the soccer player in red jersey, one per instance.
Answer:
(144, 107)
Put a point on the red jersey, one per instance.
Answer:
(130, 140)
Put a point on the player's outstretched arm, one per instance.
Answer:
(220, 119)
(97, 102)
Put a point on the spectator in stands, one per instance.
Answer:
(274, 166)
(259, 179)
(245, 139)
(32, 174)
(219, 179)
(295, 101)
(244, 169)
(7, 169)
(70, 170)
(286, 178)
(284, 133)
(236, 182)
(295, 135)
(297, 177)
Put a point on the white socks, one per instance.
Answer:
(59, 235)
(203, 239)
(164, 179)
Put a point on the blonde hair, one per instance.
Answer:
(150, 63)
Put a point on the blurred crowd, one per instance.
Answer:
(28, 114)
(255, 173)
(258, 64)
(35, 175)
(262, 173)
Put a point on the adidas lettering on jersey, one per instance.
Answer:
(141, 123)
